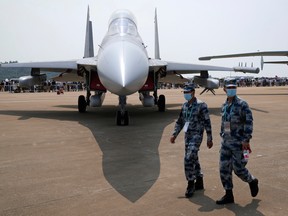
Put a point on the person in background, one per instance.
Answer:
(236, 133)
(193, 119)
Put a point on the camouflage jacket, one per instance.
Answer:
(198, 115)
(240, 117)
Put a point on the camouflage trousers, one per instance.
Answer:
(232, 159)
(191, 160)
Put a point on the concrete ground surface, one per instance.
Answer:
(56, 161)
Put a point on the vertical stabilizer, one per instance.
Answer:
(157, 50)
(89, 47)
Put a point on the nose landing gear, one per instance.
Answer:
(122, 117)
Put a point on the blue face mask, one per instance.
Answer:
(231, 92)
(188, 96)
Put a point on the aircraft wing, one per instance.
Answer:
(67, 69)
(56, 66)
(263, 53)
(186, 68)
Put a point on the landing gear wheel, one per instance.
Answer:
(82, 104)
(122, 118)
(161, 103)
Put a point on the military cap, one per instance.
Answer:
(189, 87)
(230, 82)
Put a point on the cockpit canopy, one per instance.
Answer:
(122, 22)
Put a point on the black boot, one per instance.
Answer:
(254, 187)
(199, 183)
(190, 189)
(227, 198)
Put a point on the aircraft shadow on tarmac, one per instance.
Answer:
(131, 162)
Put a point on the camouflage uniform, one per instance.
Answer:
(198, 115)
(239, 115)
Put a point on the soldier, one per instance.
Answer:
(193, 119)
(236, 132)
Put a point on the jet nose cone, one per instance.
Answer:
(123, 67)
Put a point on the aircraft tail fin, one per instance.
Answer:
(157, 49)
(89, 47)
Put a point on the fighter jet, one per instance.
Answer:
(122, 66)
(262, 53)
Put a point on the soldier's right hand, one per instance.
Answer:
(172, 139)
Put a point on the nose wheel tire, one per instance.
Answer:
(82, 104)
(122, 118)
(161, 103)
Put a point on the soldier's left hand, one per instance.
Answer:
(246, 146)
(209, 144)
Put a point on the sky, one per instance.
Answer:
(42, 30)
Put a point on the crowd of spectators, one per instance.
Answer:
(12, 85)
(260, 81)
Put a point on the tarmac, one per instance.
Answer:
(57, 161)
